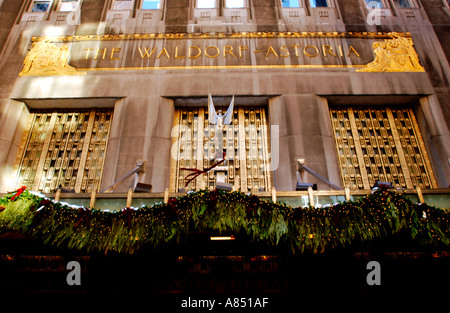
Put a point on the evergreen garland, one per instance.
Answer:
(379, 215)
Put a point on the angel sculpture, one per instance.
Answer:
(220, 121)
(217, 118)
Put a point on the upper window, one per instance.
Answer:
(206, 4)
(403, 3)
(374, 3)
(318, 3)
(123, 5)
(68, 5)
(40, 6)
(234, 4)
(290, 3)
(151, 4)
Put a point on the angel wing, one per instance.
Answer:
(212, 115)
(229, 114)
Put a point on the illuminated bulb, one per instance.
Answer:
(222, 238)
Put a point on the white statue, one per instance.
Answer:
(220, 121)
(217, 118)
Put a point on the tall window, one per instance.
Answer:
(234, 4)
(375, 3)
(151, 4)
(68, 5)
(65, 149)
(318, 3)
(206, 4)
(382, 144)
(245, 143)
(40, 6)
(290, 3)
(123, 5)
(403, 3)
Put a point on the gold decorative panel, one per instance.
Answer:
(245, 143)
(50, 56)
(65, 149)
(394, 55)
(46, 59)
(375, 143)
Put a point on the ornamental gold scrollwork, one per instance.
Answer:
(394, 55)
(46, 59)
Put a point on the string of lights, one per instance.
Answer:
(305, 229)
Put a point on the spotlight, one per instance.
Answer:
(67, 190)
(224, 186)
(221, 238)
(141, 187)
(382, 184)
(305, 186)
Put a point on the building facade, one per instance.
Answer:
(98, 97)
(357, 90)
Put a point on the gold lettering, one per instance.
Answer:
(146, 52)
(351, 49)
(340, 51)
(283, 48)
(212, 56)
(98, 51)
(295, 47)
(176, 54)
(115, 50)
(311, 55)
(87, 52)
(271, 49)
(165, 52)
(327, 48)
(228, 49)
(242, 48)
(190, 56)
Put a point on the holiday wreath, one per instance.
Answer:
(379, 215)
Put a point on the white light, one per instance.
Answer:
(53, 31)
(233, 4)
(206, 4)
(222, 237)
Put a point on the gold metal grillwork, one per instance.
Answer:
(245, 143)
(382, 144)
(65, 149)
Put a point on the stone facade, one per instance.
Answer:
(298, 99)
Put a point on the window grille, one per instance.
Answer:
(382, 144)
(245, 143)
(65, 149)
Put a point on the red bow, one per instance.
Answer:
(18, 192)
(198, 172)
(85, 216)
(127, 214)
